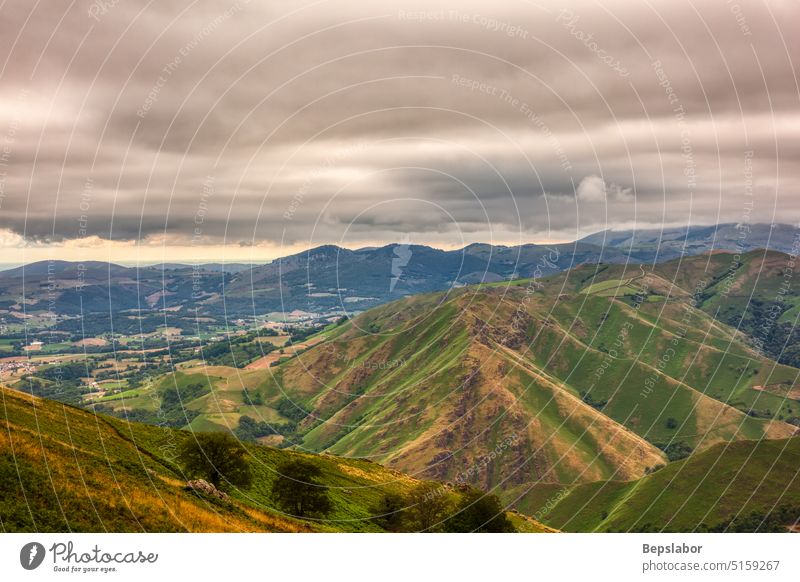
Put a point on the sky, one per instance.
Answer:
(242, 130)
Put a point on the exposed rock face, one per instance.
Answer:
(203, 486)
(515, 334)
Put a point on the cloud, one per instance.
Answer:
(595, 189)
(592, 189)
(364, 121)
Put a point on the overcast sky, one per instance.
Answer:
(247, 130)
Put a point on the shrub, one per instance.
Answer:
(216, 457)
(479, 512)
(428, 507)
(676, 451)
(389, 512)
(298, 492)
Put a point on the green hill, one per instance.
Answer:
(695, 494)
(589, 376)
(603, 374)
(756, 293)
(65, 469)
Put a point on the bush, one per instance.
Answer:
(479, 512)
(177, 396)
(250, 429)
(428, 507)
(216, 457)
(775, 521)
(298, 492)
(676, 451)
(389, 512)
(255, 398)
(291, 410)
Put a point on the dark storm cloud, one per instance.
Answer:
(336, 121)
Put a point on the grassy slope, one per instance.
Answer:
(219, 410)
(704, 489)
(709, 358)
(65, 469)
(733, 284)
(738, 290)
(414, 415)
(456, 393)
(434, 384)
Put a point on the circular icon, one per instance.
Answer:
(31, 555)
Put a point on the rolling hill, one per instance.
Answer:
(331, 277)
(755, 293)
(745, 479)
(607, 372)
(63, 469)
(590, 381)
(61, 290)
(601, 379)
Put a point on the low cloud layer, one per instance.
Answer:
(261, 125)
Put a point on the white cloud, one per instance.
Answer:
(10, 239)
(594, 189)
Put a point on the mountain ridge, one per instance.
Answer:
(336, 280)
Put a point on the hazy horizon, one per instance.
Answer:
(188, 256)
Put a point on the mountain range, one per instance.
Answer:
(591, 399)
(330, 279)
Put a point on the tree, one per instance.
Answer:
(676, 451)
(389, 512)
(479, 512)
(774, 520)
(428, 507)
(298, 491)
(216, 457)
(248, 429)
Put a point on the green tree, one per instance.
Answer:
(428, 507)
(676, 451)
(479, 512)
(216, 457)
(298, 491)
(389, 512)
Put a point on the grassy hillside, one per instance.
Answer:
(577, 396)
(756, 293)
(603, 373)
(694, 494)
(65, 469)
(589, 375)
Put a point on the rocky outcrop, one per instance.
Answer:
(206, 488)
